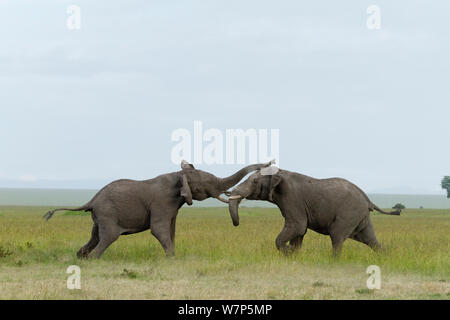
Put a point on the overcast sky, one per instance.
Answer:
(80, 108)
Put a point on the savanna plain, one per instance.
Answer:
(215, 260)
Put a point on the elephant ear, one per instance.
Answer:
(186, 191)
(274, 181)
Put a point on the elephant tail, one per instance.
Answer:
(49, 214)
(375, 207)
(391, 213)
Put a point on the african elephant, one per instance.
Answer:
(128, 206)
(334, 207)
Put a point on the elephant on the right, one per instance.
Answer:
(334, 207)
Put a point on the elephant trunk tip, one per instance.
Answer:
(233, 206)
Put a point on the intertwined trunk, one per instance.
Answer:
(228, 182)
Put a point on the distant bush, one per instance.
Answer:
(399, 206)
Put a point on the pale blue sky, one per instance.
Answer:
(82, 108)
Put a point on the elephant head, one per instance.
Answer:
(199, 185)
(259, 186)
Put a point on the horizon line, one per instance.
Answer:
(98, 189)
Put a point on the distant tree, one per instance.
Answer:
(421, 207)
(445, 184)
(399, 206)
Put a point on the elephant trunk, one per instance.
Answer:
(228, 182)
(233, 207)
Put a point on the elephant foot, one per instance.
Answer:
(287, 250)
(337, 254)
(378, 249)
(83, 254)
(170, 255)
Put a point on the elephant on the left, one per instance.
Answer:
(130, 206)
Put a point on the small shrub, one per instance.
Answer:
(129, 274)
(201, 272)
(318, 284)
(4, 252)
(364, 291)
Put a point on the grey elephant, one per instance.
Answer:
(334, 207)
(128, 206)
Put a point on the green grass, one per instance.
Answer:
(216, 260)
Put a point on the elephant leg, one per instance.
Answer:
(162, 231)
(340, 230)
(293, 231)
(108, 232)
(367, 236)
(337, 241)
(87, 248)
(287, 234)
(172, 230)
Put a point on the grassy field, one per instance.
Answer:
(215, 260)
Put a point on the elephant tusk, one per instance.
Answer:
(234, 197)
(221, 199)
